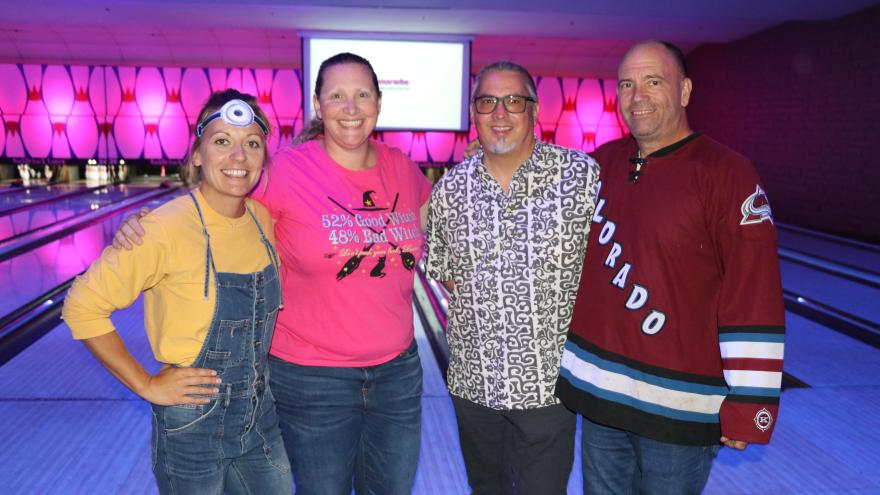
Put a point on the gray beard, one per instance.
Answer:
(500, 147)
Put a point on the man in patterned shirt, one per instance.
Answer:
(506, 234)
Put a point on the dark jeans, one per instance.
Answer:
(519, 452)
(619, 462)
(343, 424)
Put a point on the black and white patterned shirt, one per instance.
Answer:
(516, 262)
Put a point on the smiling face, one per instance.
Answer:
(349, 105)
(230, 159)
(501, 132)
(653, 94)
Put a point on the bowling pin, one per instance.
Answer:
(590, 108)
(105, 96)
(150, 96)
(286, 96)
(173, 126)
(13, 99)
(552, 106)
(36, 128)
(568, 129)
(128, 127)
(59, 97)
(82, 127)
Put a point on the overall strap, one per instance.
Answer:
(209, 258)
(273, 256)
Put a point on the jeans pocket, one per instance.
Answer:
(234, 336)
(412, 350)
(178, 419)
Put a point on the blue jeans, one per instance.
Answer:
(341, 424)
(192, 452)
(619, 462)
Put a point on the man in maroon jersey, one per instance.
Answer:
(676, 340)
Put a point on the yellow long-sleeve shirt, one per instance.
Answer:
(169, 268)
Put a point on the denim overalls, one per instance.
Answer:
(233, 443)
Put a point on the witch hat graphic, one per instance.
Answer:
(369, 204)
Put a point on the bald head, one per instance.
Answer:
(673, 50)
(653, 92)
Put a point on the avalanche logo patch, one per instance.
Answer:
(763, 419)
(756, 208)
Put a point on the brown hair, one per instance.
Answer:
(316, 126)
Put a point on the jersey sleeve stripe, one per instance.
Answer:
(751, 337)
(761, 392)
(759, 379)
(752, 399)
(752, 329)
(752, 364)
(754, 350)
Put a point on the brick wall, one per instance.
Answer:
(802, 100)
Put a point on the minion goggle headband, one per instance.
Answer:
(233, 112)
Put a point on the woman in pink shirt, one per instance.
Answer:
(345, 371)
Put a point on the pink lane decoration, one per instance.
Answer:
(58, 112)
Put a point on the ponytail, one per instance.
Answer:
(310, 132)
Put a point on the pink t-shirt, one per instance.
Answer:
(348, 242)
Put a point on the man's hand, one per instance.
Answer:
(472, 148)
(734, 444)
(130, 231)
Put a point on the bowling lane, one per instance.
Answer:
(17, 188)
(834, 249)
(23, 196)
(23, 222)
(57, 395)
(846, 295)
(37, 271)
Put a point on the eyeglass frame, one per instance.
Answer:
(503, 100)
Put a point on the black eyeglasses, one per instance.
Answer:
(512, 103)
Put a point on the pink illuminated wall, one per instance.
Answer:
(58, 112)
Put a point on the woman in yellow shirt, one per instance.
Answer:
(209, 274)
